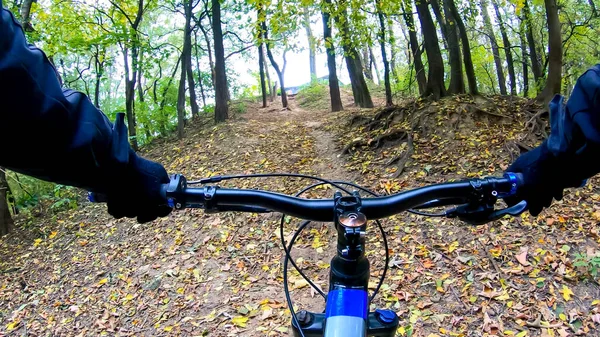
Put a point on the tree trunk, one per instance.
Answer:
(435, 75)
(284, 100)
(536, 66)
(386, 65)
(495, 49)
(261, 66)
(181, 96)
(221, 89)
(334, 86)
(367, 61)
(199, 71)
(26, 15)
(435, 6)
(374, 64)
(210, 54)
(507, 50)
(553, 81)
(457, 80)
(140, 87)
(272, 92)
(130, 80)
(462, 31)
(163, 121)
(360, 91)
(312, 46)
(188, 57)
(392, 41)
(524, 59)
(99, 67)
(407, 11)
(6, 221)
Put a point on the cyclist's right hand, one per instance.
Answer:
(543, 176)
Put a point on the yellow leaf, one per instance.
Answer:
(595, 302)
(502, 297)
(52, 235)
(168, 328)
(102, 281)
(522, 334)
(128, 297)
(402, 331)
(180, 291)
(566, 292)
(508, 333)
(240, 321)
(562, 317)
(37, 242)
(496, 251)
(12, 325)
(452, 246)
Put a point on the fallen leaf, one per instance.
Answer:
(566, 293)
(522, 257)
(239, 321)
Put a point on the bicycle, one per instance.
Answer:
(347, 301)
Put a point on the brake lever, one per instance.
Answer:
(484, 214)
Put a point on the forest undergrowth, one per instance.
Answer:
(82, 273)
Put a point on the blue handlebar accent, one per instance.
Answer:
(515, 182)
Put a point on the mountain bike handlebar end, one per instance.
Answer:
(516, 180)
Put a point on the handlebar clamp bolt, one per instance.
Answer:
(494, 193)
(178, 205)
(345, 252)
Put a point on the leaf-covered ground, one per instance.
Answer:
(83, 273)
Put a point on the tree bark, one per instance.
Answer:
(495, 49)
(554, 78)
(360, 91)
(435, 6)
(261, 66)
(312, 46)
(392, 41)
(130, 80)
(457, 80)
(181, 95)
(374, 64)
(524, 59)
(221, 89)
(272, 93)
(462, 31)
(6, 221)
(407, 11)
(366, 59)
(334, 86)
(507, 50)
(386, 64)
(284, 100)
(26, 15)
(188, 55)
(435, 75)
(198, 68)
(163, 121)
(211, 62)
(99, 61)
(536, 66)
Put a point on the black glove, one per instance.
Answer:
(544, 177)
(136, 191)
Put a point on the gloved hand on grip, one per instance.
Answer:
(543, 176)
(136, 192)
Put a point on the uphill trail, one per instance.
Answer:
(83, 273)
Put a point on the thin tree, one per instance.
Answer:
(457, 80)
(6, 221)
(279, 71)
(524, 62)
(554, 78)
(312, 44)
(407, 14)
(261, 67)
(360, 91)
(435, 74)
(507, 50)
(489, 30)
(386, 64)
(334, 86)
(464, 39)
(188, 8)
(221, 89)
(536, 66)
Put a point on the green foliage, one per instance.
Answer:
(316, 94)
(30, 192)
(590, 264)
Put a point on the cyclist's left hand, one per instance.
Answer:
(136, 193)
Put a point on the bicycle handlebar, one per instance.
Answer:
(214, 199)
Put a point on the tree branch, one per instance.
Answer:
(239, 51)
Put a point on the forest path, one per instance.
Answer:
(197, 274)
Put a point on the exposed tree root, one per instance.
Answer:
(376, 142)
(404, 158)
